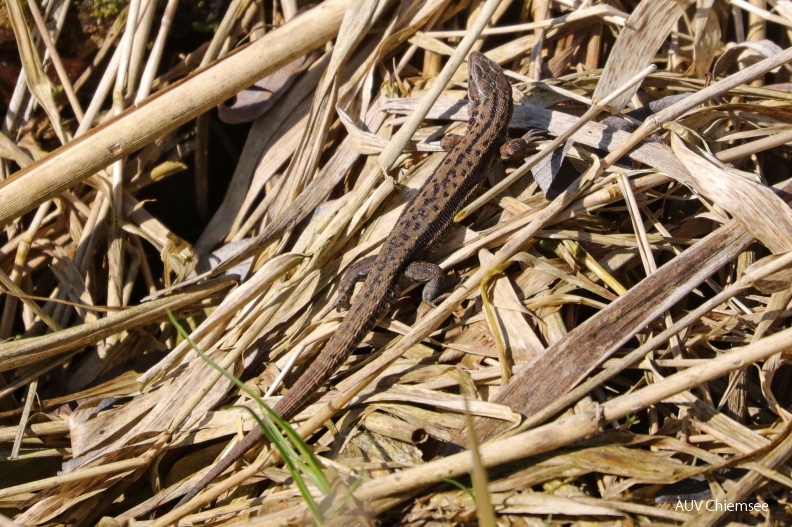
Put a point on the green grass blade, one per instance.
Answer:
(291, 459)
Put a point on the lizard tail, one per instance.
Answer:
(361, 318)
(250, 439)
(352, 330)
(306, 390)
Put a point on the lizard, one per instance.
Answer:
(424, 223)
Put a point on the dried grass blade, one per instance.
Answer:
(63, 76)
(753, 275)
(646, 30)
(19, 353)
(36, 79)
(690, 102)
(566, 362)
(760, 211)
(570, 429)
(754, 147)
(88, 473)
(486, 515)
(10, 150)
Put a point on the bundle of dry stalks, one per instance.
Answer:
(617, 343)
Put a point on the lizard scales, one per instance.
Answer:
(423, 224)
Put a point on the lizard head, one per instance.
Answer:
(485, 76)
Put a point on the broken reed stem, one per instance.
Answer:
(568, 430)
(688, 103)
(169, 109)
(77, 475)
(63, 76)
(745, 282)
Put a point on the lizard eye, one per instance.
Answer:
(482, 85)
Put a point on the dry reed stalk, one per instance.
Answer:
(173, 107)
(571, 429)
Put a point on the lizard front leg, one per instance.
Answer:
(518, 148)
(509, 150)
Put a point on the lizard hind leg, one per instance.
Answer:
(429, 274)
(356, 272)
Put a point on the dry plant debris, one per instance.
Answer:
(620, 337)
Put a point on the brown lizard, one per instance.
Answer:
(423, 224)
